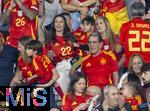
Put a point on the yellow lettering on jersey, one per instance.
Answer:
(145, 41)
(46, 61)
(132, 40)
(143, 25)
(143, 47)
(66, 51)
(20, 21)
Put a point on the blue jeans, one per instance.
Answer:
(52, 97)
(8, 57)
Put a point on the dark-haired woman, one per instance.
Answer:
(76, 99)
(59, 46)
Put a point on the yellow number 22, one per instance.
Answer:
(143, 41)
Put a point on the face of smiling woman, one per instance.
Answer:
(59, 24)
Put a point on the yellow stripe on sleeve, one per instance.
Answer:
(35, 65)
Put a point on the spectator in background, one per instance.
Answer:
(76, 99)
(103, 27)
(100, 68)
(21, 15)
(134, 67)
(146, 4)
(133, 95)
(113, 101)
(146, 73)
(24, 69)
(78, 9)
(134, 35)
(51, 8)
(44, 70)
(22, 19)
(146, 105)
(116, 12)
(48, 9)
(6, 64)
(146, 79)
(82, 33)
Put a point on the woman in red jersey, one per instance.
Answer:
(59, 47)
(76, 99)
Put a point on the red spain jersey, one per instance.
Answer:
(43, 68)
(20, 25)
(82, 37)
(135, 37)
(99, 69)
(112, 7)
(68, 104)
(134, 102)
(27, 70)
(61, 49)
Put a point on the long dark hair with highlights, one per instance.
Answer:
(51, 38)
(74, 79)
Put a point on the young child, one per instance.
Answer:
(45, 71)
(42, 65)
(133, 95)
(83, 32)
(82, 35)
(24, 69)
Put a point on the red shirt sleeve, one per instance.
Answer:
(122, 35)
(66, 103)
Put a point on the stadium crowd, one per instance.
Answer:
(92, 55)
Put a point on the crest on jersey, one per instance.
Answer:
(88, 64)
(20, 13)
(103, 61)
